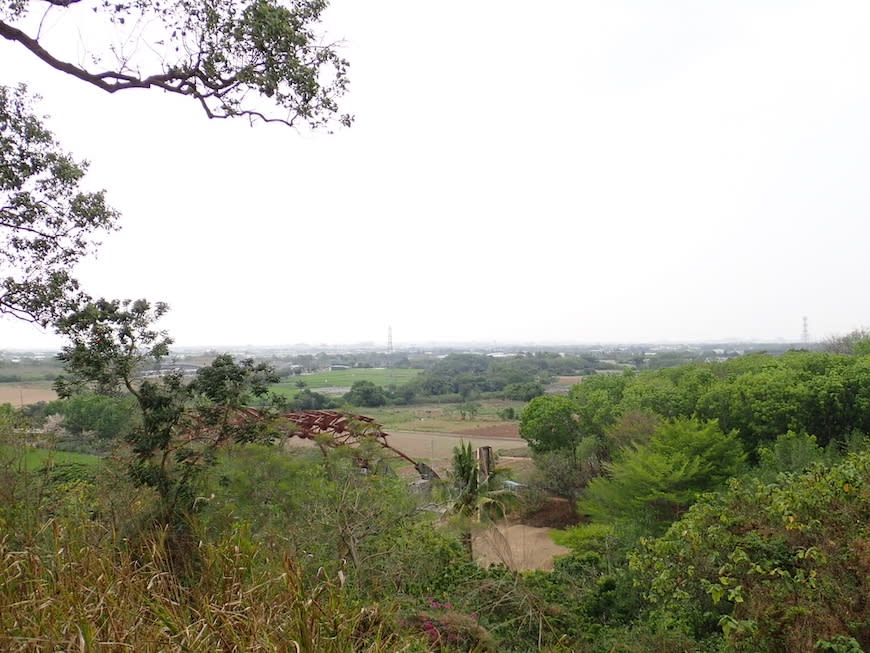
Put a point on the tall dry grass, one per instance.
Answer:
(81, 570)
(80, 596)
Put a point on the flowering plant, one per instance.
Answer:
(450, 630)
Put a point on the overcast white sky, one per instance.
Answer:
(589, 171)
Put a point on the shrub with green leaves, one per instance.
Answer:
(773, 567)
(280, 495)
(790, 452)
(653, 484)
(107, 417)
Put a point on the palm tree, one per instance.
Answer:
(473, 494)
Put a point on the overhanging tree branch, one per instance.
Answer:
(257, 59)
(100, 80)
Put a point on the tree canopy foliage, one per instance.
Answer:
(652, 484)
(365, 393)
(761, 396)
(521, 376)
(48, 221)
(260, 59)
(109, 418)
(550, 423)
(182, 424)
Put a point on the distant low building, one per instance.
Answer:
(187, 369)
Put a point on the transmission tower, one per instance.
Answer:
(805, 334)
(390, 355)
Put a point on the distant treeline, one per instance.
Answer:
(463, 377)
(762, 397)
(23, 378)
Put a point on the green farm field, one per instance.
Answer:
(32, 458)
(345, 379)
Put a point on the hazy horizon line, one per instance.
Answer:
(490, 344)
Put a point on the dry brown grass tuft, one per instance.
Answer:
(82, 596)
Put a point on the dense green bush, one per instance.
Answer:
(774, 567)
(109, 418)
(652, 484)
(366, 394)
(760, 396)
(523, 391)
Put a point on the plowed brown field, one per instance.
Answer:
(21, 395)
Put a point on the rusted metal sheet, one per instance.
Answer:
(342, 429)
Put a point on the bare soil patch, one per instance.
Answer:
(517, 546)
(526, 544)
(555, 513)
(562, 384)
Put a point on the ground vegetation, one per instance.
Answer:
(692, 539)
(725, 503)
